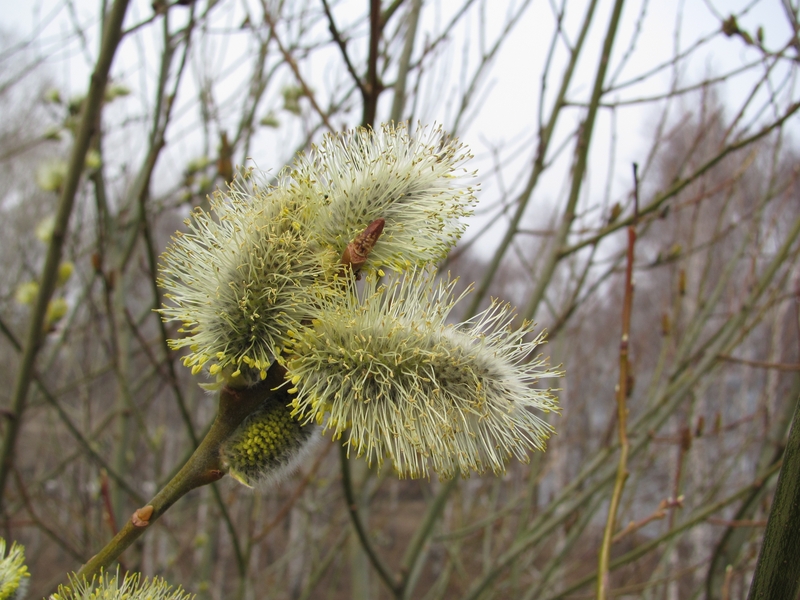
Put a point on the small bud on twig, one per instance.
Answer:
(141, 517)
(357, 251)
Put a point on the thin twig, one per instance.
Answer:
(580, 164)
(603, 585)
(287, 56)
(105, 493)
(699, 517)
(47, 283)
(391, 581)
(761, 364)
(337, 37)
(404, 63)
(298, 491)
(203, 467)
(71, 427)
(680, 184)
(46, 529)
(539, 165)
(658, 513)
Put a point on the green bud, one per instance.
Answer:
(115, 91)
(56, 310)
(53, 134)
(50, 176)
(26, 293)
(93, 160)
(267, 445)
(52, 96)
(65, 270)
(270, 120)
(291, 98)
(44, 230)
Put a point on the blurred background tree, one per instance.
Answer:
(557, 100)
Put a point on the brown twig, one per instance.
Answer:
(203, 467)
(105, 492)
(659, 513)
(604, 558)
(372, 87)
(342, 47)
(761, 364)
(287, 56)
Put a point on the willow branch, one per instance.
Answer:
(340, 42)
(622, 411)
(412, 560)
(380, 566)
(699, 517)
(88, 127)
(579, 168)
(545, 137)
(287, 56)
(398, 102)
(777, 573)
(681, 184)
(203, 467)
(372, 88)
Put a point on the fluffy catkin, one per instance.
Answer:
(384, 364)
(268, 445)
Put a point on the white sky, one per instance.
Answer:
(507, 115)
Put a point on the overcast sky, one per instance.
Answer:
(505, 117)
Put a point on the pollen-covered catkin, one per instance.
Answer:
(241, 277)
(107, 586)
(268, 445)
(384, 364)
(417, 183)
(266, 257)
(14, 575)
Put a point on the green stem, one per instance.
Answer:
(352, 509)
(761, 480)
(88, 126)
(412, 559)
(777, 572)
(538, 167)
(622, 423)
(203, 467)
(579, 168)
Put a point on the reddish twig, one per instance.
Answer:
(105, 492)
(622, 409)
(659, 513)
